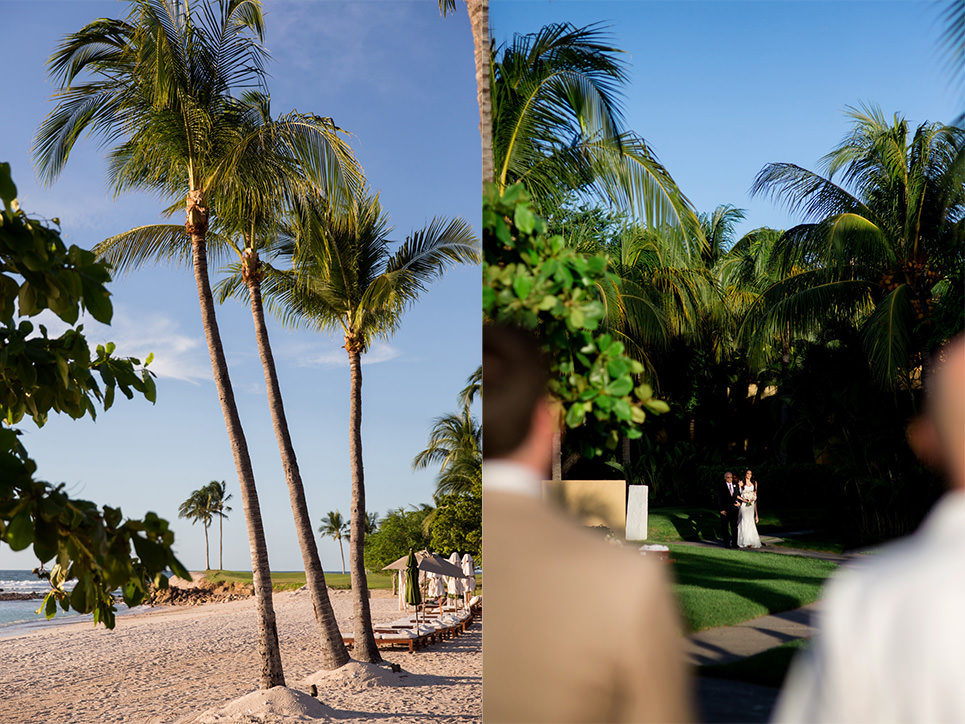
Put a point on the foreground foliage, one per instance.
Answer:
(534, 281)
(40, 374)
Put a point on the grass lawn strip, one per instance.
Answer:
(293, 580)
(720, 587)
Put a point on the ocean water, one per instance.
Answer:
(16, 616)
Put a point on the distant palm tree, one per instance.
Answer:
(371, 523)
(455, 444)
(161, 92)
(473, 387)
(344, 277)
(878, 245)
(199, 508)
(217, 492)
(336, 528)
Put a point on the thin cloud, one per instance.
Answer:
(137, 333)
(305, 355)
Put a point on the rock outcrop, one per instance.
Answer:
(200, 592)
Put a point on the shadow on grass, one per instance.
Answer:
(768, 668)
(722, 587)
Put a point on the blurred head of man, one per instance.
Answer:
(938, 435)
(519, 419)
(728, 477)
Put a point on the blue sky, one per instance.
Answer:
(400, 78)
(719, 89)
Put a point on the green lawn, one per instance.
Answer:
(720, 587)
(668, 525)
(768, 668)
(291, 580)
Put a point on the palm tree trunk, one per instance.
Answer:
(220, 542)
(334, 653)
(341, 552)
(272, 673)
(479, 22)
(365, 648)
(207, 556)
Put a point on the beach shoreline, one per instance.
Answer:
(169, 663)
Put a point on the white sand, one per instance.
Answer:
(179, 663)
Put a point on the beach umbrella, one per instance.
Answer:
(413, 595)
(454, 585)
(469, 571)
(427, 562)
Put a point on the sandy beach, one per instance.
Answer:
(170, 664)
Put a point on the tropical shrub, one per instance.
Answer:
(534, 281)
(40, 373)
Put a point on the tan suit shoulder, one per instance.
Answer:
(576, 629)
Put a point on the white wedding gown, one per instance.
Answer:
(747, 536)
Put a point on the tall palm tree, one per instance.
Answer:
(344, 277)
(160, 91)
(335, 528)
(558, 129)
(883, 232)
(219, 496)
(479, 23)
(198, 508)
(278, 162)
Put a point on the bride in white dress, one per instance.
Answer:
(747, 536)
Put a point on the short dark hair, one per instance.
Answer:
(513, 383)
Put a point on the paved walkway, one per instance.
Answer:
(724, 700)
(730, 643)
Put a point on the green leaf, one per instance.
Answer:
(20, 530)
(8, 190)
(621, 408)
(657, 407)
(620, 387)
(524, 219)
(548, 302)
(575, 415)
(50, 605)
(577, 318)
(522, 284)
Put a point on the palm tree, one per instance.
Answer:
(473, 387)
(277, 163)
(344, 277)
(160, 92)
(479, 23)
(219, 496)
(336, 528)
(557, 128)
(455, 444)
(879, 245)
(371, 523)
(198, 509)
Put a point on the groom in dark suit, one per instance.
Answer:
(729, 506)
